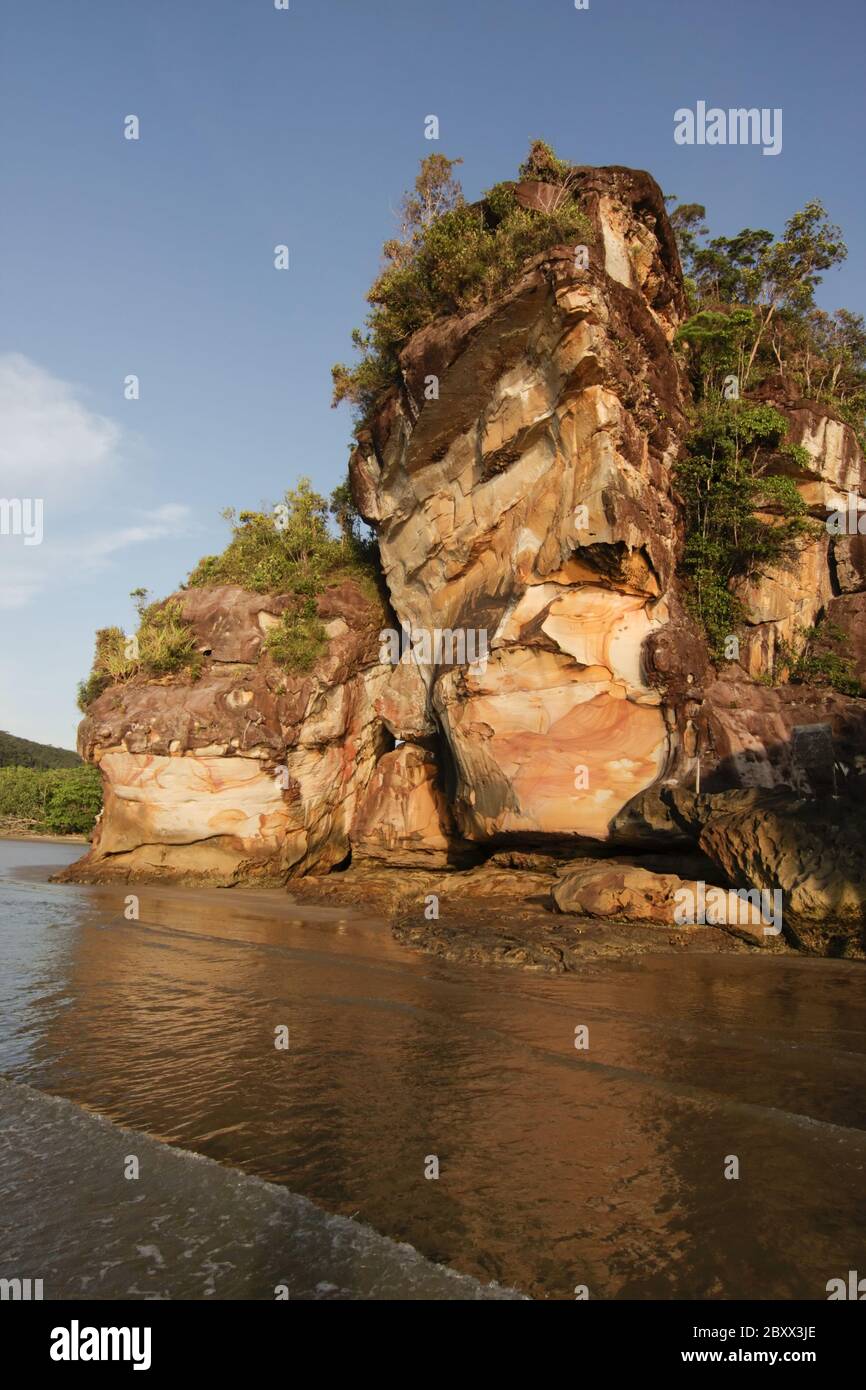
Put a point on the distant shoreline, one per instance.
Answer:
(47, 839)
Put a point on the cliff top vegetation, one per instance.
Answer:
(450, 256)
(288, 550)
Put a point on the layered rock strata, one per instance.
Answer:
(530, 502)
(520, 482)
(247, 772)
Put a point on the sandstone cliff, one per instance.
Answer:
(520, 483)
(246, 773)
(534, 499)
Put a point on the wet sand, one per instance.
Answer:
(558, 1165)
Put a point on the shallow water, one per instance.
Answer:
(558, 1167)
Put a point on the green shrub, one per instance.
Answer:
(724, 485)
(299, 639)
(90, 690)
(450, 263)
(166, 643)
(290, 549)
(75, 801)
(822, 659)
(110, 664)
(542, 164)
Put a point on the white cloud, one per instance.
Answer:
(53, 447)
(16, 590)
(160, 524)
(25, 573)
(49, 440)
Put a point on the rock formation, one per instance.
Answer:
(519, 482)
(246, 773)
(532, 498)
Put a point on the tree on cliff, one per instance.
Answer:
(728, 487)
(436, 192)
(689, 223)
(776, 281)
(450, 257)
(754, 317)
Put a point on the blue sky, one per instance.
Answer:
(303, 127)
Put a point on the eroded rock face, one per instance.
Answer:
(531, 502)
(749, 734)
(520, 482)
(835, 466)
(403, 818)
(847, 613)
(813, 852)
(230, 623)
(783, 602)
(540, 751)
(849, 558)
(531, 499)
(248, 772)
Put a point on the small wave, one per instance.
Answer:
(185, 1227)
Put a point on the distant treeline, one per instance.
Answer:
(20, 752)
(54, 801)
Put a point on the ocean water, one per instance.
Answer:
(154, 1041)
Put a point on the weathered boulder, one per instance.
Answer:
(620, 892)
(811, 850)
(808, 850)
(403, 705)
(665, 815)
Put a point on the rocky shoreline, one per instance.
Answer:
(506, 917)
(531, 681)
(13, 834)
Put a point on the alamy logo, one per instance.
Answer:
(848, 522)
(22, 516)
(437, 647)
(77, 1343)
(729, 907)
(20, 1290)
(854, 1289)
(738, 126)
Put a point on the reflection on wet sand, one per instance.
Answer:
(558, 1166)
